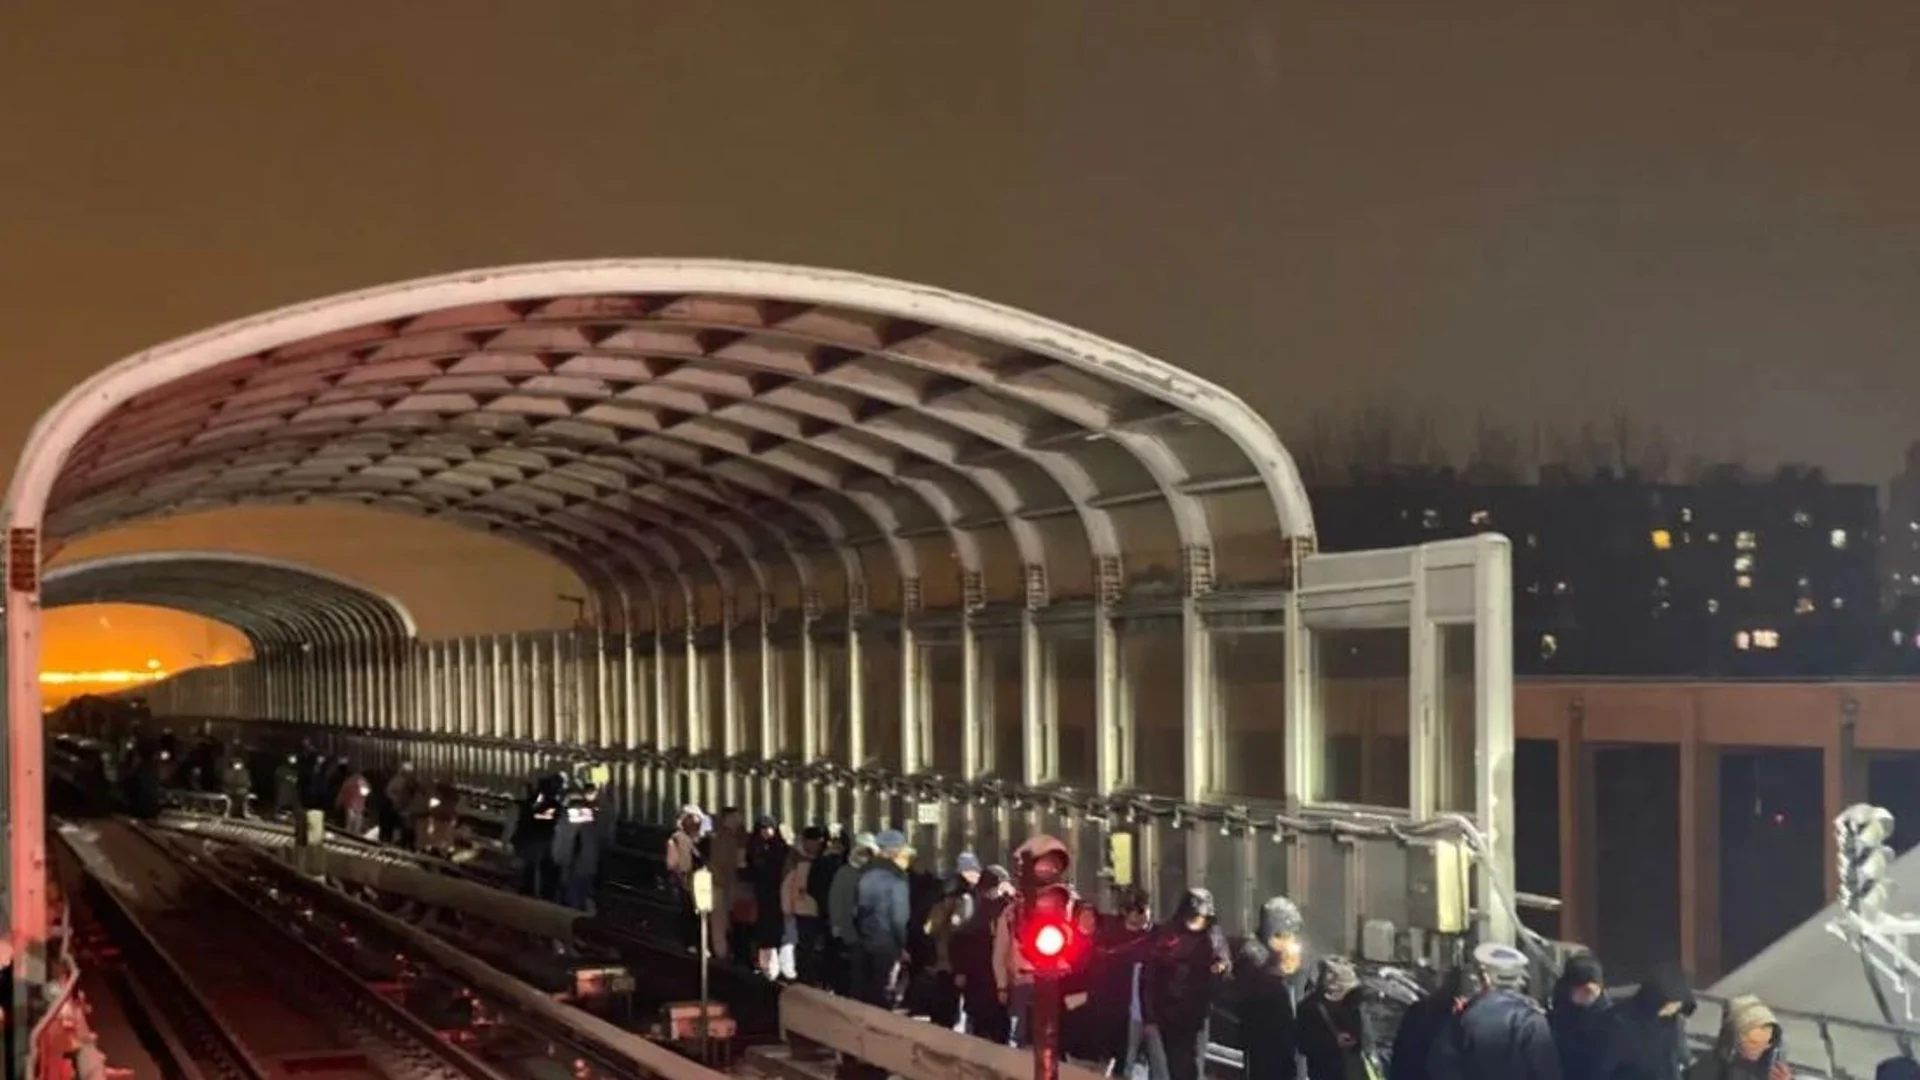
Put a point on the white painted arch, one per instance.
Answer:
(122, 389)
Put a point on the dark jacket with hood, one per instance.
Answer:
(1184, 967)
(1646, 1045)
(882, 908)
(971, 948)
(767, 869)
(1266, 999)
(1582, 1034)
(1425, 1022)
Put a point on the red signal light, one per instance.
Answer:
(1050, 940)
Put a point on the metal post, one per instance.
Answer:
(1046, 1026)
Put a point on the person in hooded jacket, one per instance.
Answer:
(971, 950)
(842, 897)
(1581, 1017)
(766, 871)
(1335, 1040)
(1424, 1022)
(1266, 982)
(1649, 1036)
(1042, 858)
(800, 949)
(1502, 1033)
(286, 787)
(1749, 1046)
(1185, 965)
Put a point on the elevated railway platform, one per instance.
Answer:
(852, 549)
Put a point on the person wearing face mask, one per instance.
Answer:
(1266, 980)
(973, 956)
(1187, 961)
(1749, 1046)
(1649, 1037)
(1580, 1015)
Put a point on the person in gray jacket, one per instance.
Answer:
(841, 895)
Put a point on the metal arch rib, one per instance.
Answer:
(758, 305)
(271, 601)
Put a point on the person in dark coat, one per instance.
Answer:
(1334, 1037)
(1266, 991)
(882, 912)
(1502, 1033)
(972, 953)
(1649, 1037)
(1424, 1022)
(286, 787)
(530, 835)
(766, 869)
(1581, 1017)
(1121, 949)
(1187, 961)
(578, 843)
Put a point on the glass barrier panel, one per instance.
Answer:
(1455, 701)
(835, 703)
(1362, 697)
(1152, 659)
(1070, 667)
(1249, 702)
(1001, 703)
(880, 690)
(943, 670)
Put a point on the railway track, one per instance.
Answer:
(240, 972)
(230, 994)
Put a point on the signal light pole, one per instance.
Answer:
(1049, 942)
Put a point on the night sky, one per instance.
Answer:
(1705, 214)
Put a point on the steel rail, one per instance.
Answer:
(393, 1043)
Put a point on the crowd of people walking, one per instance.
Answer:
(850, 913)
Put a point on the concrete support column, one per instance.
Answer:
(1699, 847)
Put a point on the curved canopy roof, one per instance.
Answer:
(683, 433)
(276, 604)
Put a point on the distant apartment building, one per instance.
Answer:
(1612, 577)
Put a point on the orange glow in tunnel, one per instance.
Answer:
(102, 648)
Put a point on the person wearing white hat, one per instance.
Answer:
(1502, 1034)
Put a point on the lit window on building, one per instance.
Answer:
(1533, 541)
(1898, 637)
(1743, 582)
(1839, 602)
(1804, 584)
(1743, 564)
(1550, 645)
(1480, 518)
(1804, 606)
(1744, 540)
(1766, 639)
(1713, 607)
(1838, 538)
(1561, 588)
(1430, 519)
(1662, 540)
(1686, 516)
(1802, 518)
(1713, 538)
(1742, 640)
